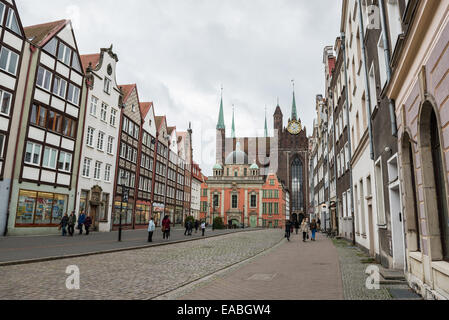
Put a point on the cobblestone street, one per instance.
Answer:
(140, 274)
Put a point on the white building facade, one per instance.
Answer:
(101, 129)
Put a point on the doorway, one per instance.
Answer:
(372, 251)
(253, 221)
(397, 228)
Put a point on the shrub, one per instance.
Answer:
(218, 223)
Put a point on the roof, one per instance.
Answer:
(218, 167)
(254, 166)
(127, 89)
(145, 107)
(159, 120)
(170, 130)
(90, 58)
(41, 33)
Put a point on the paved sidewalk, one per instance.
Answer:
(291, 271)
(43, 247)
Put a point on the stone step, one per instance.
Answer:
(389, 274)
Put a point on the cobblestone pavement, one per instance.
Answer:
(291, 271)
(140, 274)
(353, 265)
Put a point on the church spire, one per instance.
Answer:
(233, 123)
(294, 113)
(266, 125)
(221, 123)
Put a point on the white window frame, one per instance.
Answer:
(9, 21)
(100, 141)
(75, 94)
(2, 145)
(110, 149)
(107, 173)
(57, 86)
(67, 159)
(113, 117)
(45, 74)
(86, 167)
(107, 85)
(66, 50)
(9, 53)
(104, 112)
(90, 137)
(93, 106)
(33, 152)
(3, 93)
(97, 170)
(52, 163)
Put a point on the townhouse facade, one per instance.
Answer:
(45, 173)
(101, 131)
(13, 66)
(197, 180)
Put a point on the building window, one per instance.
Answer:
(33, 153)
(50, 156)
(253, 201)
(2, 145)
(11, 22)
(59, 87)
(297, 185)
(5, 102)
(44, 79)
(8, 61)
(65, 161)
(234, 201)
(104, 112)
(216, 200)
(100, 141)
(113, 118)
(64, 53)
(107, 173)
(50, 47)
(73, 95)
(97, 171)
(110, 145)
(54, 121)
(93, 106)
(107, 85)
(90, 136)
(86, 167)
(38, 208)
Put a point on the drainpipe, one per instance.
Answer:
(368, 93)
(387, 51)
(351, 182)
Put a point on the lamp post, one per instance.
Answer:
(125, 198)
(243, 217)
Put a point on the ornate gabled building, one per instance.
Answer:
(285, 155)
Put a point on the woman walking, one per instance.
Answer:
(151, 228)
(313, 228)
(203, 227)
(304, 229)
(72, 222)
(166, 224)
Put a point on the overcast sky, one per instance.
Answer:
(180, 52)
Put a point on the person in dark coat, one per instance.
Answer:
(81, 220)
(87, 224)
(297, 226)
(72, 222)
(288, 228)
(186, 225)
(189, 228)
(197, 226)
(64, 223)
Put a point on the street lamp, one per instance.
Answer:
(125, 198)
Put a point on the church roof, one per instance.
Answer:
(237, 157)
(221, 123)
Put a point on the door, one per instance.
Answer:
(253, 221)
(397, 229)
(93, 215)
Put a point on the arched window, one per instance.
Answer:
(434, 180)
(297, 185)
(411, 199)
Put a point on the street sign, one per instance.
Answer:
(125, 195)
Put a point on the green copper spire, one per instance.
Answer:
(294, 113)
(266, 125)
(221, 123)
(233, 124)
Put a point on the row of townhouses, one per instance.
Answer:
(72, 139)
(381, 137)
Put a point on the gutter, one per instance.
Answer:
(387, 51)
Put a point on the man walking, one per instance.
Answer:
(186, 225)
(151, 228)
(81, 220)
(72, 222)
(288, 227)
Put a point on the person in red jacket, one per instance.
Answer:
(166, 228)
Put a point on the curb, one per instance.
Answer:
(30, 261)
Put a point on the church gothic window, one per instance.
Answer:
(297, 185)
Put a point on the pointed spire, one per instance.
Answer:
(294, 113)
(221, 123)
(233, 123)
(266, 125)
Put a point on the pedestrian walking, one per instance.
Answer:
(63, 224)
(189, 228)
(313, 228)
(151, 228)
(166, 224)
(288, 228)
(81, 220)
(304, 229)
(87, 224)
(71, 223)
(203, 227)
(197, 226)
(186, 226)
(297, 226)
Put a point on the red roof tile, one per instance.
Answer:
(90, 58)
(145, 107)
(127, 89)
